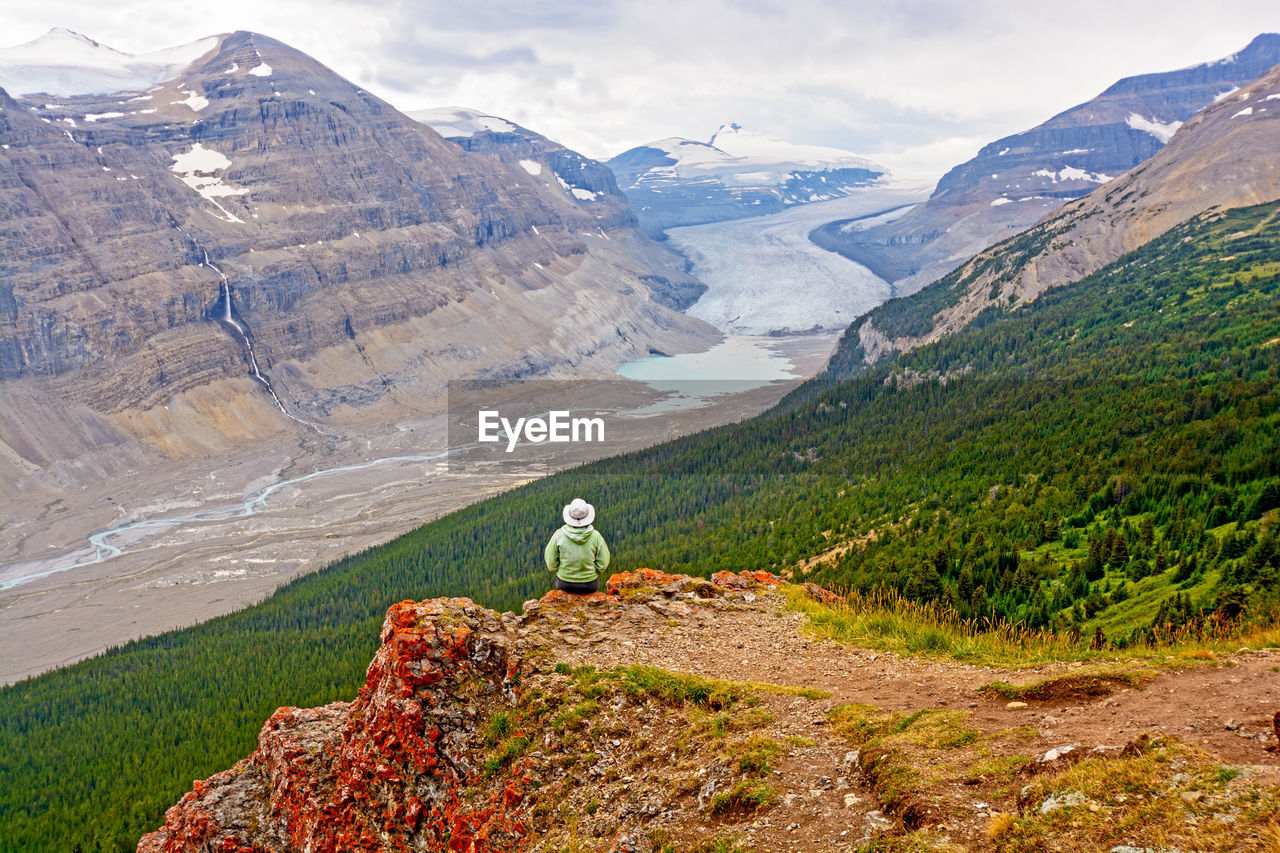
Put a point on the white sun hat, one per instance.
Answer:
(579, 513)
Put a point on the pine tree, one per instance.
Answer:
(1119, 552)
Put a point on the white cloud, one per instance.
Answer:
(908, 82)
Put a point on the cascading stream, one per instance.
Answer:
(244, 338)
(229, 319)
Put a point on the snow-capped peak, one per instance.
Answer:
(66, 63)
(737, 141)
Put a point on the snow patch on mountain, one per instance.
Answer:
(196, 167)
(1071, 173)
(460, 121)
(738, 173)
(577, 192)
(65, 63)
(1163, 131)
(194, 100)
(692, 159)
(739, 157)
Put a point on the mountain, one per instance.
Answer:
(1223, 157)
(1015, 181)
(560, 169)
(239, 244)
(738, 173)
(63, 63)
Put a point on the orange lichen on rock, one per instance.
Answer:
(745, 579)
(641, 577)
(193, 824)
(558, 596)
(653, 579)
(385, 772)
(821, 595)
(668, 584)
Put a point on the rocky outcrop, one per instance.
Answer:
(1015, 181)
(410, 763)
(380, 773)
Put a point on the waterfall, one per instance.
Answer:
(230, 320)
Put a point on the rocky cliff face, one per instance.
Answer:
(1017, 180)
(257, 220)
(1225, 156)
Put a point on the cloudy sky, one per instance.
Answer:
(917, 84)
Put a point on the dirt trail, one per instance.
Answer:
(1224, 707)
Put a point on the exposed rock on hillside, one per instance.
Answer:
(392, 764)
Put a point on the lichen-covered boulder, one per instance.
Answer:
(397, 769)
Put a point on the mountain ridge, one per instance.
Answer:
(1015, 181)
(1222, 157)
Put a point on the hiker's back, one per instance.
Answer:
(577, 553)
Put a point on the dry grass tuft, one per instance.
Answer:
(998, 826)
(1271, 835)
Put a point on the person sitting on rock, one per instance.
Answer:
(576, 552)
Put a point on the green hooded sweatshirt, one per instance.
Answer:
(576, 554)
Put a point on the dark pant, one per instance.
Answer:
(578, 588)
